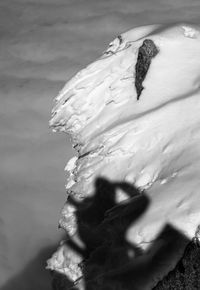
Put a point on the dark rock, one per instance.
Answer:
(186, 275)
(147, 51)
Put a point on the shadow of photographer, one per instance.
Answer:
(109, 260)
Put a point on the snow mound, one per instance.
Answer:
(149, 141)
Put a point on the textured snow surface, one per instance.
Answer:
(151, 143)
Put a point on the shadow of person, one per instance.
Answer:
(109, 260)
(102, 223)
(93, 211)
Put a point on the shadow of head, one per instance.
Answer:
(100, 214)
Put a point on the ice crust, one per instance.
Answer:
(152, 143)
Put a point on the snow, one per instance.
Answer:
(60, 262)
(152, 143)
(190, 32)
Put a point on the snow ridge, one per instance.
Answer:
(152, 142)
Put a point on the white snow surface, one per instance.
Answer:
(153, 142)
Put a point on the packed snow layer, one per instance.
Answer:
(151, 143)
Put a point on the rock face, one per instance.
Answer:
(186, 274)
(133, 200)
(146, 52)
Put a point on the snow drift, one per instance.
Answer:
(133, 117)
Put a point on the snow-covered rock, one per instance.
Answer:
(149, 140)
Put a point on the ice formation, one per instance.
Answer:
(150, 141)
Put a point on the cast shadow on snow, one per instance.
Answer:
(109, 260)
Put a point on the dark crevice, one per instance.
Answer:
(146, 52)
(84, 155)
(120, 39)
